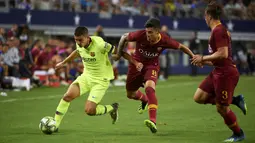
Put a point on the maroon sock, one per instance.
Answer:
(210, 100)
(140, 96)
(152, 103)
(231, 122)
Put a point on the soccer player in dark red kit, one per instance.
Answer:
(218, 87)
(149, 45)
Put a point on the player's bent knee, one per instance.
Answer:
(90, 108)
(150, 83)
(90, 111)
(68, 97)
(131, 94)
(72, 92)
(197, 99)
(200, 96)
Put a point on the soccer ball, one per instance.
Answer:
(47, 125)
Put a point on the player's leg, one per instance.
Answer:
(137, 95)
(150, 84)
(72, 92)
(231, 121)
(152, 105)
(133, 83)
(92, 106)
(224, 89)
(77, 88)
(205, 95)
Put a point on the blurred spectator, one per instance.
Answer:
(43, 60)
(251, 62)
(251, 11)
(24, 64)
(3, 66)
(2, 36)
(13, 31)
(180, 12)
(88, 5)
(99, 32)
(44, 4)
(12, 58)
(235, 9)
(35, 49)
(169, 8)
(241, 53)
(164, 59)
(25, 4)
(3, 51)
(156, 8)
(23, 34)
(194, 47)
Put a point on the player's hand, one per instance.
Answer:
(197, 60)
(139, 66)
(200, 65)
(116, 57)
(59, 65)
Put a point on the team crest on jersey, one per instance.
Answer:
(159, 48)
(92, 54)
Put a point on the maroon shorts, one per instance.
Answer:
(136, 79)
(221, 86)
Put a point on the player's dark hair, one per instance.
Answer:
(81, 30)
(214, 10)
(153, 22)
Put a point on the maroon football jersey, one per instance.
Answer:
(220, 37)
(148, 53)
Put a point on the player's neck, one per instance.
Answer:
(214, 23)
(86, 46)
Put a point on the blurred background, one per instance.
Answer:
(37, 34)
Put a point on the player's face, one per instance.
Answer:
(82, 40)
(152, 34)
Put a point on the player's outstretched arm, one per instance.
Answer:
(221, 53)
(122, 43)
(71, 57)
(186, 50)
(138, 65)
(129, 58)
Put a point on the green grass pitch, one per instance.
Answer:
(180, 119)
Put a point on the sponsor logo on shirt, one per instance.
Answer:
(89, 60)
(148, 54)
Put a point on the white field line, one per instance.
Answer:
(109, 91)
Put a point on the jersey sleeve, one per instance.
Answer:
(134, 36)
(109, 48)
(221, 38)
(171, 43)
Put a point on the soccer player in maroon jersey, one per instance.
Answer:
(218, 87)
(149, 45)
